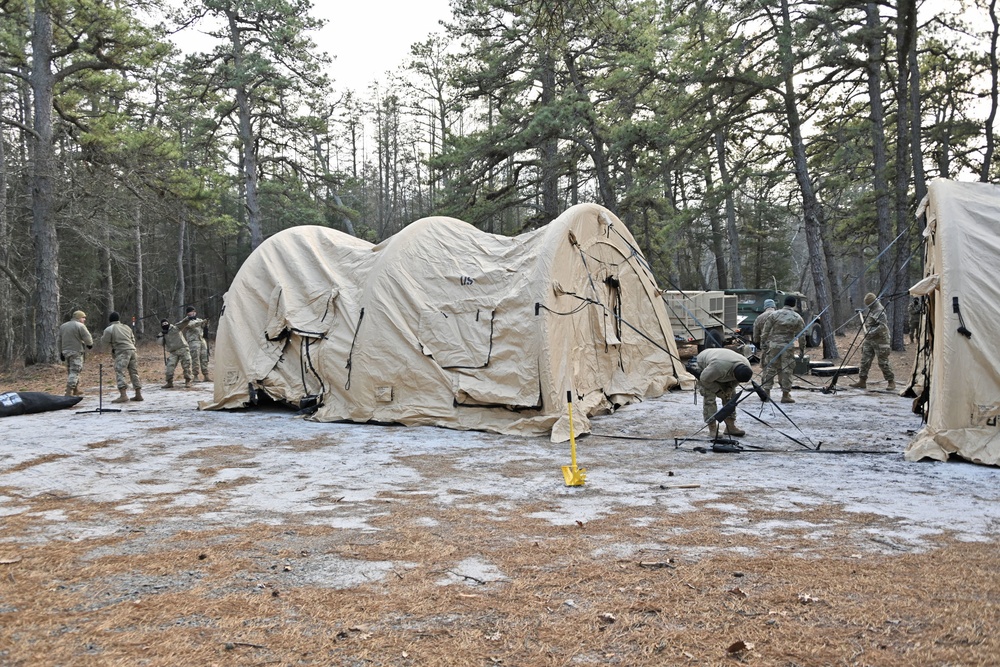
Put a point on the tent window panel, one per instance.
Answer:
(518, 389)
(457, 340)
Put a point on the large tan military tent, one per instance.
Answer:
(443, 324)
(956, 377)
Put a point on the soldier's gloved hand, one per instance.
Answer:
(90, 347)
(62, 357)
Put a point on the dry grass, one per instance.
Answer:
(630, 589)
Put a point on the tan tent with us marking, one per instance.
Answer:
(443, 324)
(956, 377)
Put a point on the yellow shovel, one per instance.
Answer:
(574, 476)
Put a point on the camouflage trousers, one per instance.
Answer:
(126, 362)
(709, 407)
(783, 367)
(182, 355)
(199, 357)
(74, 365)
(869, 350)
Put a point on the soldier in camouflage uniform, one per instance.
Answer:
(121, 339)
(779, 333)
(75, 340)
(876, 328)
(177, 348)
(720, 371)
(195, 335)
(758, 330)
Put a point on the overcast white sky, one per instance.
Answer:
(371, 37)
(365, 39)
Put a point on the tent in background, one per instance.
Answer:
(443, 324)
(956, 377)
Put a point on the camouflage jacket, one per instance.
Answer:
(195, 331)
(782, 327)
(876, 324)
(174, 339)
(120, 337)
(717, 366)
(758, 325)
(74, 337)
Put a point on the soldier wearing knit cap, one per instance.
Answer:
(720, 371)
(121, 339)
(875, 326)
(780, 333)
(75, 339)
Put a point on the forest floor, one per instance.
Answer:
(164, 535)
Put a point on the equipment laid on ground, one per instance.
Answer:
(15, 403)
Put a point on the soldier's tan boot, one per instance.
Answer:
(862, 383)
(713, 429)
(69, 390)
(169, 384)
(187, 383)
(891, 386)
(732, 428)
(206, 376)
(138, 394)
(122, 396)
(77, 391)
(786, 397)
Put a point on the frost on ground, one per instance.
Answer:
(165, 458)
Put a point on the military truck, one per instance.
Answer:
(750, 304)
(695, 315)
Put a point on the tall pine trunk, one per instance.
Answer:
(811, 210)
(44, 308)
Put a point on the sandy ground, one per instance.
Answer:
(133, 483)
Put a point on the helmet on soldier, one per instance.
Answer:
(79, 315)
(769, 303)
(790, 300)
(870, 299)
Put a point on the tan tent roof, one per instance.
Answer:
(443, 324)
(957, 377)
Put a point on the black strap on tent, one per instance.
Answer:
(642, 261)
(350, 355)
(305, 361)
(587, 301)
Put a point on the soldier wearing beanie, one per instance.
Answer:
(121, 339)
(875, 326)
(721, 370)
(75, 340)
(780, 332)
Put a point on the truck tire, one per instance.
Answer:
(815, 337)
